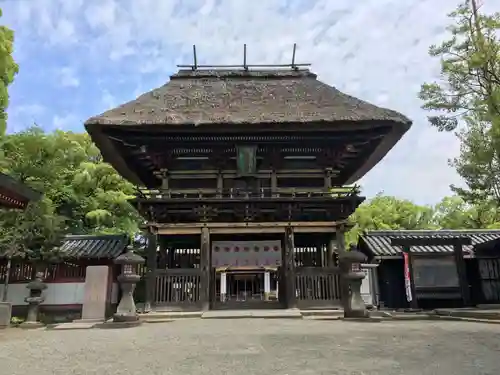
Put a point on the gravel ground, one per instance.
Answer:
(257, 346)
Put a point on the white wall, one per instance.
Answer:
(55, 294)
(368, 290)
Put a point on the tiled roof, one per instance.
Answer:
(379, 242)
(94, 246)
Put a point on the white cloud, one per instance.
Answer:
(24, 115)
(374, 49)
(108, 100)
(61, 122)
(68, 77)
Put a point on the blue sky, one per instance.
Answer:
(80, 57)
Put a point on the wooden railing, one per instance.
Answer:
(318, 287)
(58, 272)
(224, 194)
(177, 287)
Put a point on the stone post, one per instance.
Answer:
(353, 276)
(126, 310)
(267, 285)
(35, 298)
(223, 287)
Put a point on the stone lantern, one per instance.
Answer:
(351, 273)
(35, 298)
(128, 279)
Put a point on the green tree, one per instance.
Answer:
(470, 70)
(469, 94)
(455, 213)
(389, 213)
(478, 163)
(68, 169)
(8, 70)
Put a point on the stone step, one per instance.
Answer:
(163, 316)
(255, 314)
(322, 313)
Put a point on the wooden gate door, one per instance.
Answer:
(489, 272)
(318, 287)
(178, 289)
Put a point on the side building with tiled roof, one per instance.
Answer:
(434, 267)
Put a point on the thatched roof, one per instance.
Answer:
(244, 97)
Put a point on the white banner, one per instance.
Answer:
(246, 253)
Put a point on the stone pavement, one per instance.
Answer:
(257, 346)
(474, 313)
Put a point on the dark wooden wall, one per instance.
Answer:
(392, 286)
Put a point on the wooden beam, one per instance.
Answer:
(295, 224)
(430, 241)
(242, 230)
(247, 230)
(178, 231)
(314, 229)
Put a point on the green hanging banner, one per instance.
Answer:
(247, 160)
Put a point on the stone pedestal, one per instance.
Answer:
(357, 307)
(126, 310)
(353, 276)
(5, 314)
(35, 298)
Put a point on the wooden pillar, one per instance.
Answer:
(319, 254)
(340, 242)
(328, 179)
(205, 269)
(165, 183)
(274, 182)
(220, 183)
(340, 236)
(332, 241)
(462, 274)
(151, 271)
(289, 267)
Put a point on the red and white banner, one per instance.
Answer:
(409, 296)
(246, 253)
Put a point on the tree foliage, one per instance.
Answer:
(8, 70)
(470, 70)
(469, 94)
(82, 194)
(478, 163)
(390, 213)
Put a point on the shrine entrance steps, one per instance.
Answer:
(164, 316)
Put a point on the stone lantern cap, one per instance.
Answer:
(129, 258)
(353, 256)
(37, 283)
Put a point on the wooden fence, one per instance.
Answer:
(22, 272)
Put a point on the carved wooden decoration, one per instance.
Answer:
(331, 158)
